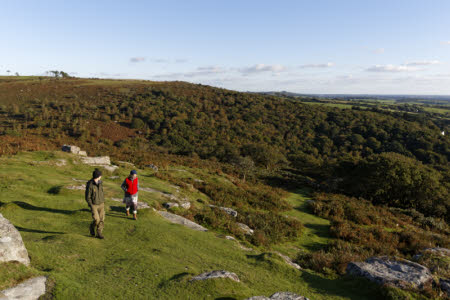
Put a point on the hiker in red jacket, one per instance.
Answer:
(131, 186)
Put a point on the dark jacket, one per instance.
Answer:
(94, 192)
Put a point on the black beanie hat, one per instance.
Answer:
(97, 173)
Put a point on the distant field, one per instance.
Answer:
(330, 104)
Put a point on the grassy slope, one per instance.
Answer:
(316, 232)
(148, 258)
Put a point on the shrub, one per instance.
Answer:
(137, 123)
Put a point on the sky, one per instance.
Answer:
(303, 46)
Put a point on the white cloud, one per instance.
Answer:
(379, 51)
(199, 72)
(159, 60)
(422, 63)
(391, 68)
(203, 71)
(317, 66)
(137, 59)
(445, 43)
(261, 68)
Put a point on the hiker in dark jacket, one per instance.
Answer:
(96, 201)
(131, 187)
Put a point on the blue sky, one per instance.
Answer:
(320, 46)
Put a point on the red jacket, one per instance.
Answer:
(132, 186)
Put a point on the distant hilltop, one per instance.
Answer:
(432, 99)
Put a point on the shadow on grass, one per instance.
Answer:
(37, 231)
(346, 286)
(28, 206)
(179, 276)
(175, 278)
(321, 230)
(55, 190)
(117, 212)
(120, 209)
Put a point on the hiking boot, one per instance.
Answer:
(92, 230)
(135, 216)
(100, 236)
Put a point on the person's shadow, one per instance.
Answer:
(29, 206)
(117, 212)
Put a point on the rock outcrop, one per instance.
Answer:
(99, 161)
(228, 210)
(170, 205)
(11, 244)
(56, 162)
(73, 149)
(399, 273)
(30, 289)
(438, 251)
(152, 166)
(216, 274)
(445, 285)
(279, 296)
(247, 230)
(183, 204)
(76, 187)
(288, 260)
(176, 219)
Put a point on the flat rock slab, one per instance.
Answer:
(245, 228)
(185, 204)
(288, 260)
(11, 244)
(76, 187)
(176, 219)
(79, 180)
(99, 160)
(228, 210)
(30, 289)
(279, 296)
(399, 273)
(140, 205)
(438, 251)
(216, 274)
(57, 162)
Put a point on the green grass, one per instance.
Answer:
(145, 259)
(12, 273)
(316, 232)
(436, 109)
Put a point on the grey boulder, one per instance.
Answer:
(399, 272)
(445, 285)
(279, 296)
(176, 219)
(30, 289)
(216, 274)
(11, 244)
(247, 230)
